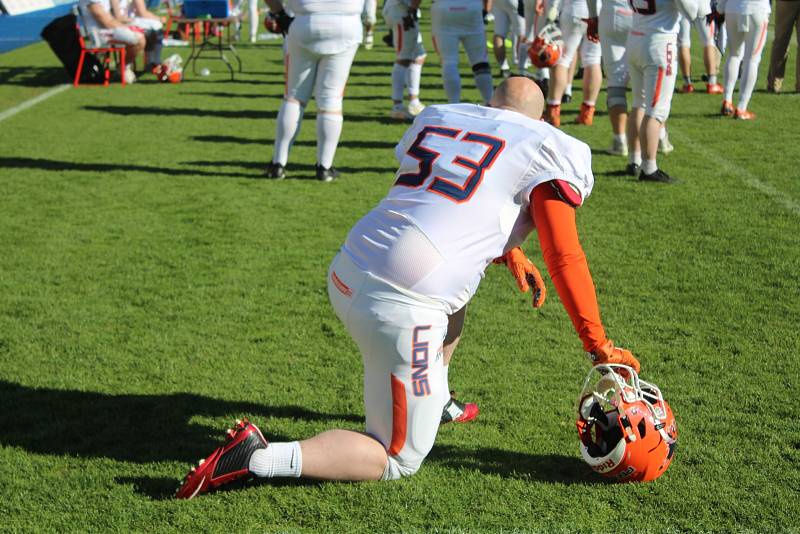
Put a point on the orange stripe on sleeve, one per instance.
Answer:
(566, 263)
(399, 415)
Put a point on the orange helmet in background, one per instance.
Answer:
(627, 430)
(546, 47)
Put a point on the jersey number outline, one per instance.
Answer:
(649, 7)
(427, 157)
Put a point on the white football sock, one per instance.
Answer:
(451, 80)
(253, 5)
(484, 82)
(712, 79)
(399, 73)
(277, 460)
(731, 74)
(649, 166)
(329, 129)
(414, 77)
(635, 158)
(748, 82)
(289, 118)
(621, 138)
(568, 89)
(589, 102)
(662, 133)
(553, 102)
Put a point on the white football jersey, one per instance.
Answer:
(745, 7)
(655, 16)
(461, 198)
(338, 7)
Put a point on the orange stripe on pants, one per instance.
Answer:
(657, 92)
(399, 416)
(761, 40)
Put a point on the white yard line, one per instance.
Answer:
(744, 175)
(32, 102)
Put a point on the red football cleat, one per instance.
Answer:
(553, 114)
(227, 463)
(459, 412)
(586, 115)
(687, 88)
(744, 115)
(714, 89)
(727, 108)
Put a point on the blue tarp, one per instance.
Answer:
(22, 30)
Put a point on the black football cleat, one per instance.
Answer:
(458, 412)
(632, 169)
(275, 171)
(388, 39)
(326, 175)
(657, 176)
(566, 98)
(227, 463)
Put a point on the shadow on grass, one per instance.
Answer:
(354, 143)
(554, 468)
(130, 428)
(33, 76)
(164, 488)
(307, 170)
(61, 166)
(126, 111)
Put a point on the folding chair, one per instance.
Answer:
(115, 48)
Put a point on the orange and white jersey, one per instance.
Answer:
(659, 16)
(461, 198)
(332, 7)
(745, 7)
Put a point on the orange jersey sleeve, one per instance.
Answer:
(566, 262)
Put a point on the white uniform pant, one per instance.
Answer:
(573, 31)
(407, 43)
(400, 336)
(318, 61)
(705, 31)
(747, 35)
(614, 23)
(652, 60)
(369, 14)
(464, 25)
(506, 18)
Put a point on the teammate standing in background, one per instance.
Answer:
(401, 17)
(368, 19)
(533, 11)
(507, 23)
(571, 17)
(611, 26)
(461, 21)
(746, 22)
(652, 61)
(411, 265)
(705, 25)
(321, 42)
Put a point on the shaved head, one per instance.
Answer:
(519, 94)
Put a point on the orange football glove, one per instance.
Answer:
(606, 352)
(525, 273)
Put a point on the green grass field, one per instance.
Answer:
(153, 289)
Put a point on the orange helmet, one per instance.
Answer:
(546, 48)
(626, 428)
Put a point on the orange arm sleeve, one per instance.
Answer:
(566, 263)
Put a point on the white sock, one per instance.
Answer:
(568, 90)
(554, 102)
(504, 65)
(649, 166)
(399, 73)
(446, 375)
(712, 79)
(748, 82)
(451, 80)
(731, 74)
(635, 158)
(589, 102)
(662, 133)
(329, 129)
(484, 82)
(277, 460)
(620, 138)
(289, 118)
(414, 77)
(253, 7)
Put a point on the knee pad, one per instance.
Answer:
(481, 68)
(396, 470)
(617, 97)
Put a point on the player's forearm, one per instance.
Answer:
(567, 265)
(593, 7)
